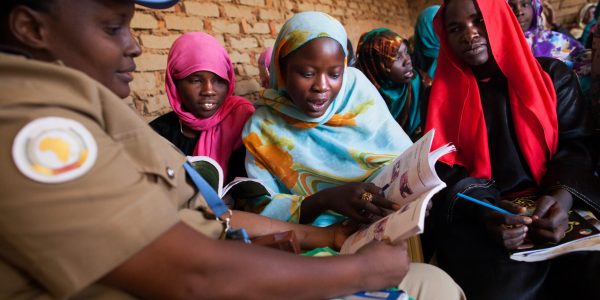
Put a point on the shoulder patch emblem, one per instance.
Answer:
(54, 150)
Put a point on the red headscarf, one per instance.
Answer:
(455, 109)
(221, 133)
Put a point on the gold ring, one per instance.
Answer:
(367, 197)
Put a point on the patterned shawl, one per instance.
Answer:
(377, 51)
(220, 134)
(296, 155)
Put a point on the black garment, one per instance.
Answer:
(169, 127)
(422, 102)
(481, 266)
(420, 61)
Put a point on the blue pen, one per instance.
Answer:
(496, 208)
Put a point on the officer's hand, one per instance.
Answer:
(384, 265)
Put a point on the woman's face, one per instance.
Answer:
(94, 37)
(523, 10)
(202, 93)
(589, 15)
(402, 69)
(467, 35)
(313, 75)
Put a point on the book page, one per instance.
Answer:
(582, 235)
(210, 170)
(412, 182)
(252, 186)
(412, 172)
(394, 227)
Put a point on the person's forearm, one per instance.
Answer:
(308, 236)
(183, 264)
(280, 275)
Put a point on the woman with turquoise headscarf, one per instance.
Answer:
(382, 55)
(426, 42)
(317, 144)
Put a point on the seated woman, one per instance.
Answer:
(321, 131)
(586, 15)
(548, 43)
(207, 119)
(521, 129)
(426, 42)
(589, 29)
(382, 55)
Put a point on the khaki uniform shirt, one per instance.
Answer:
(58, 238)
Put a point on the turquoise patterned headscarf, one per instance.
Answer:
(299, 30)
(297, 156)
(427, 43)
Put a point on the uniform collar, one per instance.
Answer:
(14, 50)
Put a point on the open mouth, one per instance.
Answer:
(317, 105)
(207, 106)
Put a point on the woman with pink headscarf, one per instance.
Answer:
(207, 119)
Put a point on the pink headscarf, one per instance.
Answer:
(265, 60)
(220, 134)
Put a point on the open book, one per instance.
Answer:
(238, 188)
(583, 234)
(412, 182)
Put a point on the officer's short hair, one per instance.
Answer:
(42, 5)
(6, 6)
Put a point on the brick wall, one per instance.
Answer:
(245, 27)
(567, 11)
(416, 7)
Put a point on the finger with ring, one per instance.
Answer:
(367, 197)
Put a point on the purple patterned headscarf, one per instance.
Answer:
(548, 43)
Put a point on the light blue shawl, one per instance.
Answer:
(297, 156)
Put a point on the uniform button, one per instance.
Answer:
(170, 172)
